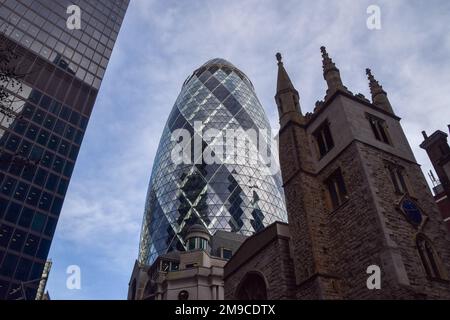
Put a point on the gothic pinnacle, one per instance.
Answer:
(379, 96)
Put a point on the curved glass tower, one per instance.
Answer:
(236, 196)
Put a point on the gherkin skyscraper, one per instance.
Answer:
(236, 196)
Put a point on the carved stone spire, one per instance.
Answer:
(379, 96)
(287, 97)
(284, 82)
(331, 74)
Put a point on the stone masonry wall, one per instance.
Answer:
(400, 231)
(275, 264)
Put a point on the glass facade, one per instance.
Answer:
(236, 196)
(41, 134)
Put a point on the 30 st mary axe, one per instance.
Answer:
(234, 194)
(43, 124)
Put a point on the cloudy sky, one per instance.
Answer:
(163, 41)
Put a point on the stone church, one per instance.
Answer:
(359, 207)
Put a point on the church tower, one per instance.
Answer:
(356, 198)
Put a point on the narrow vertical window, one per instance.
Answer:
(429, 257)
(324, 139)
(336, 188)
(398, 179)
(379, 129)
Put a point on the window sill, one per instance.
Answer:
(335, 210)
(443, 281)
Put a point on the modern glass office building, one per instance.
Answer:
(43, 124)
(237, 195)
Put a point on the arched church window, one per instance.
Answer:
(252, 287)
(430, 259)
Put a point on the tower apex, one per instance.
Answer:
(279, 57)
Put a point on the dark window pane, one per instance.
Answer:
(212, 83)
(74, 152)
(402, 180)
(84, 122)
(221, 93)
(28, 173)
(13, 212)
(8, 186)
(373, 125)
(32, 132)
(337, 189)
(57, 206)
(31, 245)
(33, 196)
(36, 153)
(227, 254)
(75, 118)
(43, 137)
(70, 133)
(5, 161)
(23, 269)
(333, 194)
(46, 201)
(36, 271)
(13, 142)
(26, 217)
(68, 169)
(328, 137)
(28, 111)
(232, 105)
(52, 182)
(17, 240)
(63, 185)
(20, 127)
(3, 205)
(64, 148)
(321, 144)
(21, 191)
(324, 139)
(383, 132)
(50, 227)
(59, 127)
(53, 142)
(65, 113)
(5, 235)
(55, 108)
(79, 137)
(58, 164)
(9, 265)
(394, 180)
(45, 102)
(342, 189)
(25, 149)
(38, 222)
(41, 175)
(47, 159)
(35, 96)
(3, 289)
(16, 167)
(39, 116)
(44, 247)
(49, 122)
